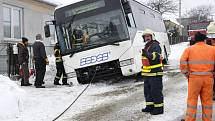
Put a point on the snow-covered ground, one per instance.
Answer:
(33, 104)
(12, 99)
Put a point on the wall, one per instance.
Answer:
(34, 16)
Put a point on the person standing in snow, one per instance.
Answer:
(211, 41)
(59, 67)
(40, 60)
(197, 63)
(152, 72)
(23, 57)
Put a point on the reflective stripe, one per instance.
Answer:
(57, 77)
(207, 107)
(202, 73)
(183, 62)
(57, 50)
(197, 62)
(207, 116)
(149, 103)
(158, 105)
(152, 74)
(153, 55)
(58, 60)
(192, 107)
(153, 66)
(65, 77)
(191, 115)
(58, 57)
(143, 57)
(144, 70)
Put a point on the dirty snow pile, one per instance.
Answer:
(11, 100)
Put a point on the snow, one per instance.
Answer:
(34, 104)
(11, 100)
(176, 52)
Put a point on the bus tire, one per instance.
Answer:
(82, 81)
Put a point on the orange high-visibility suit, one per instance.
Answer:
(197, 63)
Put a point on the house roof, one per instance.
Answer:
(47, 2)
(174, 21)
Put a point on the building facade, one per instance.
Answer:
(26, 18)
(23, 18)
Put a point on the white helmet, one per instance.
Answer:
(211, 30)
(149, 32)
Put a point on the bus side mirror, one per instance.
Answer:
(47, 31)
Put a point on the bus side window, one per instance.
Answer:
(130, 20)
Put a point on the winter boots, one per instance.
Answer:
(23, 84)
(157, 111)
(148, 109)
(65, 81)
(153, 111)
(56, 82)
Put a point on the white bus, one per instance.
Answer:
(102, 39)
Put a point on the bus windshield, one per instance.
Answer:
(91, 31)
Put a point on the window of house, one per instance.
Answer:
(12, 22)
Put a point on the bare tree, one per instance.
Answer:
(203, 11)
(163, 6)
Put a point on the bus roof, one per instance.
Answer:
(77, 1)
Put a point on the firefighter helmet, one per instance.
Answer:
(149, 32)
(211, 30)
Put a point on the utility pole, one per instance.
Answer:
(180, 28)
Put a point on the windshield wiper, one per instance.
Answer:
(115, 44)
(74, 51)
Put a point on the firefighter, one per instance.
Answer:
(59, 67)
(152, 72)
(40, 60)
(197, 63)
(23, 57)
(211, 41)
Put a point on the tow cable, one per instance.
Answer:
(76, 97)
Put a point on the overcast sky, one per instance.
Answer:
(186, 4)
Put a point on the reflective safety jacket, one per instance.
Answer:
(198, 60)
(152, 61)
(58, 57)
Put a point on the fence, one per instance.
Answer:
(9, 59)
(4, 59)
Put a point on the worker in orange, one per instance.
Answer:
(211, 41)
(197, 63)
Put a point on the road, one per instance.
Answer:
(129, 107)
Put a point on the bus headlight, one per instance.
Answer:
(126, 62)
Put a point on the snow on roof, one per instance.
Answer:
(69, 3)
(48, 2)
(174, 21)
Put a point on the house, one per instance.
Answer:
(173, 30)
(23, 18)
(194, 23)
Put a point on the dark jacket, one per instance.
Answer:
(154, 47)
(39, 50)
(57, 54)
(23, 54)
